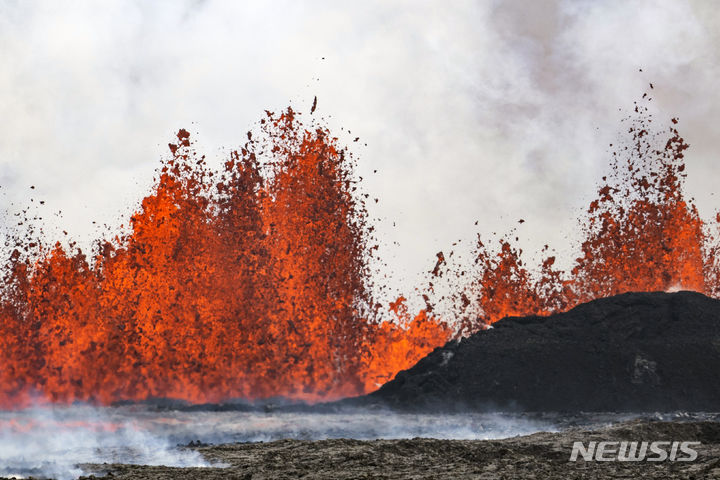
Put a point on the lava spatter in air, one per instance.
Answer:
(641, 233)
(253, 281)
(249, 282)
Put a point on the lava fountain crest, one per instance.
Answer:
(254, 280)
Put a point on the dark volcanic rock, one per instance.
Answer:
(632, 352)
(540, 456)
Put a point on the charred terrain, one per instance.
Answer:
(631, 352)
(540, 456)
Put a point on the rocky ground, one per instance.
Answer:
(537, 456)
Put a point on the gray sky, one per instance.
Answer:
(489, 110)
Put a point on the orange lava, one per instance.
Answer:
(640, 234)
(247, 283)
(253, 281)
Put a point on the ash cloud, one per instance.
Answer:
(488, 111)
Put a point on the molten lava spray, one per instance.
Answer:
(253, 281)
(250, 282)
(640, 234)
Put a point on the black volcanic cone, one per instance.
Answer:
(632, 352)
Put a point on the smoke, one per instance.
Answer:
(488, 111)
(224, 427)
(58, 442)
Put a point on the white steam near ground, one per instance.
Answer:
(66, 442)
(56, 442)
(471, 110)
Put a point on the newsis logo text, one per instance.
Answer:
(634, 451)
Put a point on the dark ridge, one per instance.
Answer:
(635, 352)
